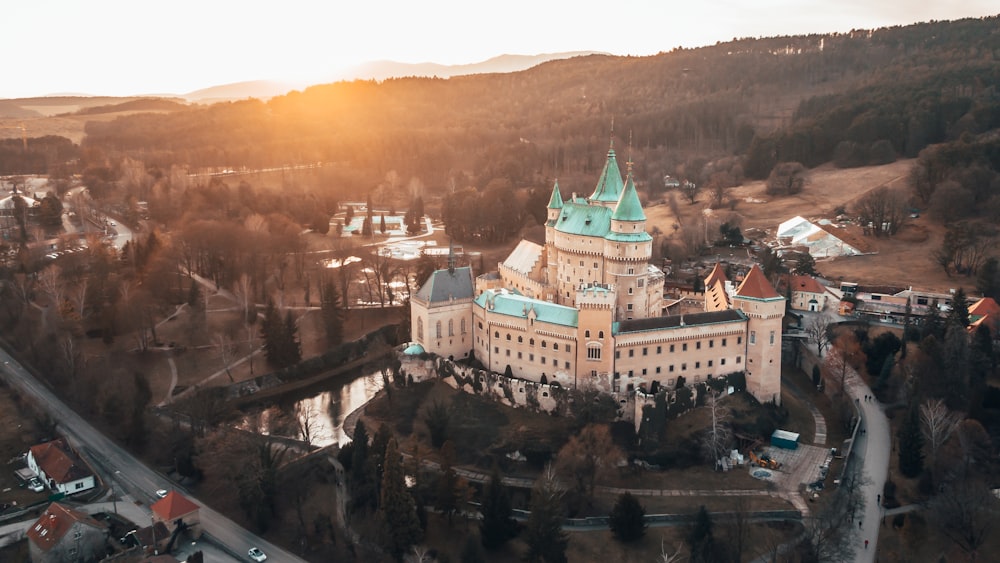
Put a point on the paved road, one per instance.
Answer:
(873, 448)
(129, 473)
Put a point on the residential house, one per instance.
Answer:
(985, 312)
(807, 294)
(60, 468)
(176, 510)
(65, 535)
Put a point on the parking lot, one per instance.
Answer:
(799, 467)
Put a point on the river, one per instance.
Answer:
(324, 407)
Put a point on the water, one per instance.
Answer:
(324, 412)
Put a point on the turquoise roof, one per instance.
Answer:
(556, 201)
(585, 220)
(609, 186)
(513, 305)
(413, 350)
(629, 207)
(445, 285)
(641, 236)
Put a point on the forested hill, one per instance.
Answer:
(883, 92)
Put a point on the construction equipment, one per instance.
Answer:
(763, 460)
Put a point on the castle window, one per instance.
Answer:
(555, 345)
(739, 359)
(684, 347)
(496, 349)
(657, 369)
(508, 353)
(629, 307)
(753, 337)
(451, 327)
(542, 359)
(697, 345)
(600, 334)
(568, 348)
(671, 370)
(739, 340)
(684, 367)
(723, 341)
(480, 326)
(594, 353)
(711, 344)
(543, 344)
(531, 357)
(631, 271)
(496, 334)
(630, 373)
(618, 354)
(697, 365)
(567, 365)
(519, 356)
(641, 282)
(722, 362)
(508, 337)
(630, 291)
(643, 371)
(586, 334)
(520, 340)
(463, 326)
(531, 342)
(420, 328)
(595, 265)
(710, 363)
(437, 328)
(671, 348)
(772, 338)
(631, 353)
(659, 349)
(581, 263)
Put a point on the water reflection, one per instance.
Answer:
(323, 413)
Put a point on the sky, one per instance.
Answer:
(130, 47)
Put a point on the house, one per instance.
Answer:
(807, 294)
(65, 535)
(176, 510)
(586, 308)
(822, 239)
(985, 312)
(60, 468)
(151, 539)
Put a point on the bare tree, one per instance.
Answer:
(882, 211)
(667, 557)
(309, 424)
(52, 285)
(80, 296)
(967, 512)
(227, 352)
(937, 424)
(718, 436)
(818, 331)
(588, 456)
(839, 363)
(829, 532)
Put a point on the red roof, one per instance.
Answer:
(173, 506)
(756, 286)
(807, 284)
(53, 524)
(985, 306)
(716, 275)
(58, 462)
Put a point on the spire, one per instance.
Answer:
(451, 257)
(556, 201)
(629, 207)
(609, 185)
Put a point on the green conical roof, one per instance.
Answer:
(629, 208)
(609, 186)
(556, 201)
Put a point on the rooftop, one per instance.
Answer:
(678, 321)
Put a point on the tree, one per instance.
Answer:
(839, 363)
(498, 524)
(437, 417)
(543, 531)
(718, 436)
(937, 424)
(882, 211)
(700, 538)
(627, 519)
(959, 314)
(452, 490)
(967, 512)
(587, 456)
(988, 278)
(805, 265)
(332, 309)
(818, 331)
(397, 510)
(787, 178)
(911, 444)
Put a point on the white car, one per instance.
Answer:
(35, 485)
(161, 493)
(257, 555)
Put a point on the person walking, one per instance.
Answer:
(866, 544)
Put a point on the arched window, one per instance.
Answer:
(420, 328)
(463, 326)
(586, 334)
(600, 335)
(520, 339)
(508, 337)
(496, 334)
(531, 342)
(451, 327)
(543, 344)
(437, 327)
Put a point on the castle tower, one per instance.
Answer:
(594, 344)
(609, 185)
(765, 309)
(628, 248)
(554, 208)
(716, 297)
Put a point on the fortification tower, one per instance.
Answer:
(765, 309)
(594, 343)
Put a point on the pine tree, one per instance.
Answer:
(959, 309)
(700, 537)
(911, 444)
(933, 324)
(497, 525)
(397, 510)
(292, 346)
(332, 309)
(627, 518)
(543, 531)
(451, 488)
(272, 330)
(381, 226)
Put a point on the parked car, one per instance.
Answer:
(35, 485)
(257, 555)
(161, 493)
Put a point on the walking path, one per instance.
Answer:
(872, 447)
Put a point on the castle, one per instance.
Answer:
(586, 309)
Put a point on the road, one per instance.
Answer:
(873, 448)
(130, 473)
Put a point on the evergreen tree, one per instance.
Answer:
(332, 309)
(627, 518)
(959, 314)
(817, 376)
(498, 524)
(911, 444)
(933, 324)
(884, 374)
(988, 278)
(381, 226)
(272, 330)
(292, 346)
(397, 510)
(362, 475)
(701, 539)
(543, 531)
(451, 488)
